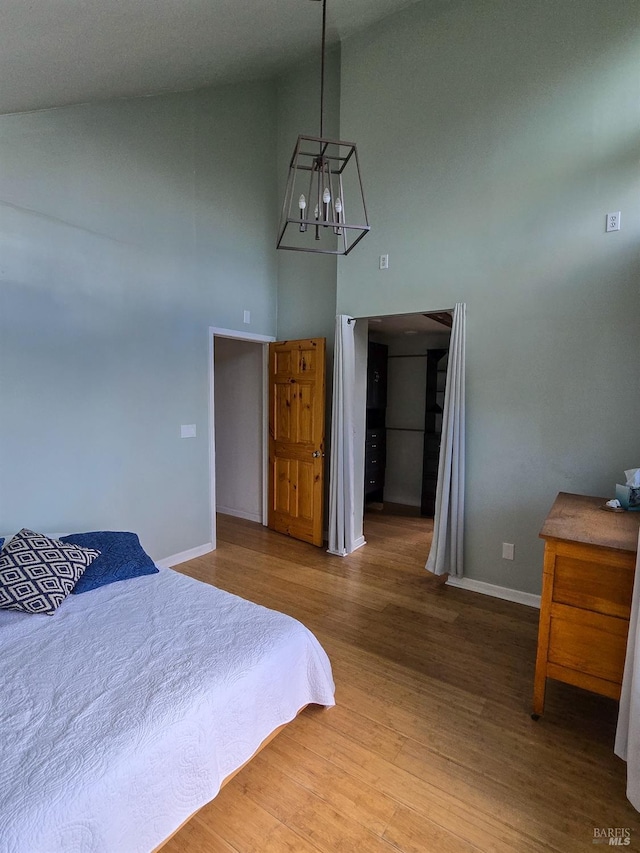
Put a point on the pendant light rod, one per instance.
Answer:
(324, 32)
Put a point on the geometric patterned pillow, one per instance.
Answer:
(37, 573)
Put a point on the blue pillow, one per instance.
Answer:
(121, 557)
(1, 542)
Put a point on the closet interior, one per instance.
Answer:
(406, 384)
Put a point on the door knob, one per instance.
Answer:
(317, 454)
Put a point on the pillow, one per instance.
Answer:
(121, 557)
(37, 573)
(1, 542)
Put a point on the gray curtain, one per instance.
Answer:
(342, 475)
(447, 550)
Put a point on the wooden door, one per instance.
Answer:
(296, 438)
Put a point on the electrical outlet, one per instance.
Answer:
(384, 262)
(613, 221)
(507, 550)
(247, 317)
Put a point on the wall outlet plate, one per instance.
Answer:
(613, 221)
(507, 550)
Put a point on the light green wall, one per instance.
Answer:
(493, 138)
(127, 228)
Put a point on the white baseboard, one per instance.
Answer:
(191, 554)
(503, 592)
(240, 513)
(360, 541)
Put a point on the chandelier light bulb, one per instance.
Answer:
(338, 208)
(326, 199)
(302, 203)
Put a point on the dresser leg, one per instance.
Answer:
(544, 629)
(539, 688)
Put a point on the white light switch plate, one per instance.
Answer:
(187, 431)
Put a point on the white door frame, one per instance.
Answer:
(265, 340)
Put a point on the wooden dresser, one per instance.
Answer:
(589, 566)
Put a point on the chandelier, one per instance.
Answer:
(324, 209)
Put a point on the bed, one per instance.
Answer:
(122, 714)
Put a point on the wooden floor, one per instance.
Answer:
(430, 746)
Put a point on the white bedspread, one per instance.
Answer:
(121, 714)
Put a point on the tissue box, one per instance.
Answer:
(629, 497)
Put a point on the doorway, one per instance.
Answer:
(405, 383)
(266, 432)
(238, 404)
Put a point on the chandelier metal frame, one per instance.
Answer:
(320, 166)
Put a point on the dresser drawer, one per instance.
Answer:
(373, 483)
(374, 458)
(594, 585)
(590, 643)
(376, 440)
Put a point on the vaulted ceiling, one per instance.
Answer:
(56, 52)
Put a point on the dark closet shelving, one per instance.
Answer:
(375, 441)
(434, 402)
